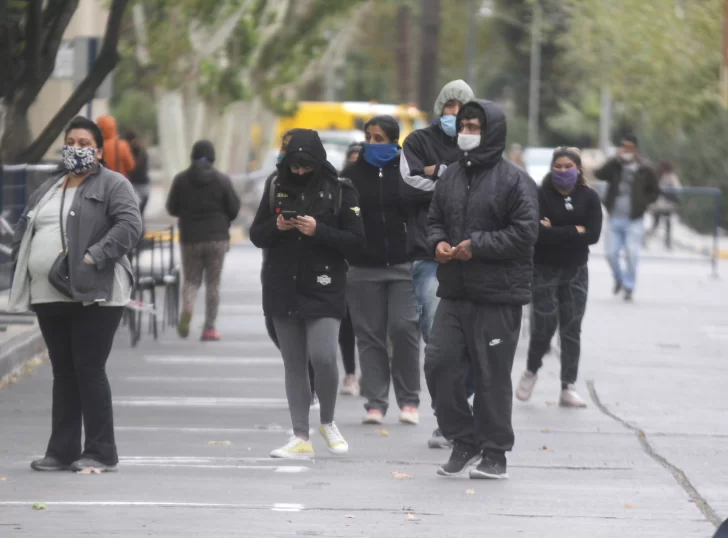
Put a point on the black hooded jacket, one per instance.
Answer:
(205, 202)
(422, 148)
(493, 203)
(382, 212)
(306, 276)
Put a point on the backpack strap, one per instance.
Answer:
(272, 192)
(343, 183)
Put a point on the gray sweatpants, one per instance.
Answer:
(302, 340)
(383, 305)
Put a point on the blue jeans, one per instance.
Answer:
(625, 234)
(424, 279)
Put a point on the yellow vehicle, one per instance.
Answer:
(349, 116)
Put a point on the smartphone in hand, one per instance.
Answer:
(289, 214)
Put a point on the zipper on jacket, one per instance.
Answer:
(384, 219)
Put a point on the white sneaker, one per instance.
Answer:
(315, 404)
(350, 386)
(409, 415)
(295, 449)
(570, 398)
(334, 440)
(373, 416)
(525, 386)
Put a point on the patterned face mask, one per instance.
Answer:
(78, 160)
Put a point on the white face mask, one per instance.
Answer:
(466, 142)
(627, 157)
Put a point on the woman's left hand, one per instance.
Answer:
(306, 225)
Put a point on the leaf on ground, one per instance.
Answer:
(470, 492)
(219, 443)
(545, 430)
(3, 478)
(629, 506)
(551, 404)
(383, 433)
(412, 517)
(617, 404)
(350, 517)
(544, 448)
(89, 470)
(402, 476)
(40, 506)
(12, 379)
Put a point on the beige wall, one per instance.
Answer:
(88, 21)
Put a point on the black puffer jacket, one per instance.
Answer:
(306, 276)
(492, 202)
(382, 212)
(422, 148)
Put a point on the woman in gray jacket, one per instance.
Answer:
(90, 216)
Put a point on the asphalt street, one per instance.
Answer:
(195, 423)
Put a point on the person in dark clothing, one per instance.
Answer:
(347, 340)
(571, 220)
(426, 154)
(309, 221)
(380, 291)
(352, 152)
(631, 188)
(139, 176)
(205, 202)
(482, 226)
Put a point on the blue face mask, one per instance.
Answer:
(448, 124)
(380, 154)
(279, 159)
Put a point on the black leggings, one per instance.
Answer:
(347, 344)
(79, 340)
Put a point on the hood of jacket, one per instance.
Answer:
(201, 173)
(458, 90)
(492, 139)
(308, 141)
(108, 127)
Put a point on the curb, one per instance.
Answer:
(19, 350)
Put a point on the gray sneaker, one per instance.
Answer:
(570, 398)
(525, 386)
(438, 441)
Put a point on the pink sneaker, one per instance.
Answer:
(210, 335)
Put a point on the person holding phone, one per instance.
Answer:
(304, 279)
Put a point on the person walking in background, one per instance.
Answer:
(482, 226)
(631, 188)
(571, 220)
(117, 152)
(347, 341)
(352, 152)
(204, 201)
(90, 215)
(516, 155)
(139, 176)
(426, 154)
(666, 204)
(313, 223)
(380, 292)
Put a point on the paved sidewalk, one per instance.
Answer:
(195, 424)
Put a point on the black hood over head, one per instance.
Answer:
(492, 140)
(308, 141)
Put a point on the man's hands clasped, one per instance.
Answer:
(462, 252)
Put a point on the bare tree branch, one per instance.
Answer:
(104, 64)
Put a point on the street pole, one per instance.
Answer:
(534, 96)
(724, 59)
(470, 44)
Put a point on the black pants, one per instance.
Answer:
(559, 299)
(667, 217)
(79, 340)
(483, 338)
(347, 344)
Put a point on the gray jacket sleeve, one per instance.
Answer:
(126, 225)
(516, 240)
(436, 231)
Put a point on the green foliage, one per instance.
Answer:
(577, 124)
(136, 110)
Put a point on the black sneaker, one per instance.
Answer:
(460, 459)
(617, 287)
(85, 463)
(628, 296)
(493, 468)
(438, 441)
(49, 463)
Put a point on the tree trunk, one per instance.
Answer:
(404, 81)
(429, 65)
(17, 129)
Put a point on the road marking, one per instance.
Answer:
(277, 430)
(160, 379)
(278, 507)
(274, 468)
(154, 401)
(229, 361)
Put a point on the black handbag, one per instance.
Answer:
(60, 276)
